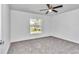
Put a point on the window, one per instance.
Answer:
(35, 26)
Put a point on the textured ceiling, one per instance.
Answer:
(35, 8)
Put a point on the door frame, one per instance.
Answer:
(4, 28)
(0, 28)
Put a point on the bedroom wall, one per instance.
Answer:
(20, 26)
(63, 26)
(66, 25)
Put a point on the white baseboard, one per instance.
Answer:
(30, 38)
(27, 38)
(67, 39)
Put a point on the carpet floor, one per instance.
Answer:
(46, 45)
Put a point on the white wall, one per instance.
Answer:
(63, 25)
(5, 27)
(66, 26)
(20, 26)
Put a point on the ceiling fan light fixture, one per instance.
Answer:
(50, 10)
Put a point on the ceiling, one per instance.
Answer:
(35, 8)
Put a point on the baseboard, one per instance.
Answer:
(74, 41)
(29, 38)
(46, 36)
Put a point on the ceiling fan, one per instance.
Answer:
(51, 8)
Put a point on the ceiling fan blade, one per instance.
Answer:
(49, 6)
(55, 11)
(47, 12)
(43, 9)
(58, 6)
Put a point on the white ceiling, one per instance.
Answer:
(35, 8)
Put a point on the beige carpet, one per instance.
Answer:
(46, 45)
